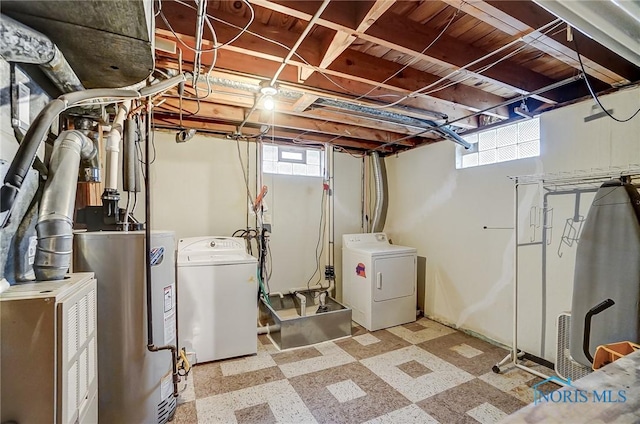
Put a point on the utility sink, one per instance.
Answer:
(289, 328)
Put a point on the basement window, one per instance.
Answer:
(510, 142)
(287, 160)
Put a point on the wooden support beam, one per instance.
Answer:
(344, 86)
(341, 40)
(171, 121)
(182, 21)
(367, 72)
(235, 115)
(402, 34)
(304, 102)
(381, 68)
(511, 25)
(229, 96)
(530, 14)
(355, 63)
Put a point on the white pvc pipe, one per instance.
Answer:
(113, 145)
(268, 329)
(319, 287)
(303, 304)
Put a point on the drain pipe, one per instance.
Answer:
(268, 329)
(55, 223)
(303, 303)
(113, 146)
(25, 45)
(380, 183)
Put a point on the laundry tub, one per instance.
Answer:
(289, 327)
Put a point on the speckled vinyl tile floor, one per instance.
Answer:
(423, 372)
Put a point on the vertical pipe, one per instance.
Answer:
(332, 224)
(129, 159)
(113, 146)
(147, 246)
(514, 352)
(543, 294)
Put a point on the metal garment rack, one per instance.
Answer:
(575, 182)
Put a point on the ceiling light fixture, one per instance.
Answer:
(268, 103)
(268, 91)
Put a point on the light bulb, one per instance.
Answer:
(268, 103)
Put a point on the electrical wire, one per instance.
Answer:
(215, 47)
(555, 23)
(321, 234)
(593, 94)
(415, 58)
(246, 181)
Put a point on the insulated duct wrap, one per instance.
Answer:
(25, 45)
(380, 184)
(55, 223)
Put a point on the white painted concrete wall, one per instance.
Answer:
(198, 189)
(442, 212)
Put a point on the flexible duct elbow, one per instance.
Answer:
(55, 221)
(380, 183)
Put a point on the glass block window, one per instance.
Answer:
(292, 160)
(510, 142)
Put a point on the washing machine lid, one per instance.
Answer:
(200, 251)
(215, 260)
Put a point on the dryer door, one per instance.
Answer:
(393, 277)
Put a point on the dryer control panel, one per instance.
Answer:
(352, 240)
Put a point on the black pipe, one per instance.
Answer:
(26, 153)
(606, 304)
(147, 233)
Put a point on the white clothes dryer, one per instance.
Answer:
(378, 280)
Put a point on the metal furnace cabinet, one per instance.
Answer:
(49, 351)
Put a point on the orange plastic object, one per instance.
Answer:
(605, 354)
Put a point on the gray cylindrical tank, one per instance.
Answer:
(134, 384)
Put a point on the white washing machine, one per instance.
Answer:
(217, 298)
(378, 280)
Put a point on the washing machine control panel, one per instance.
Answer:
(225, 243)
(212, 244)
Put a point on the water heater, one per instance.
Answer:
(135, 385)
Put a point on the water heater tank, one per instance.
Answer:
(135, 385)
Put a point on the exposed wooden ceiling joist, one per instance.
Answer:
(549, 44)
(402, 34)
(595, 55)
(341, 40)
(350, 64)
(363, 76)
